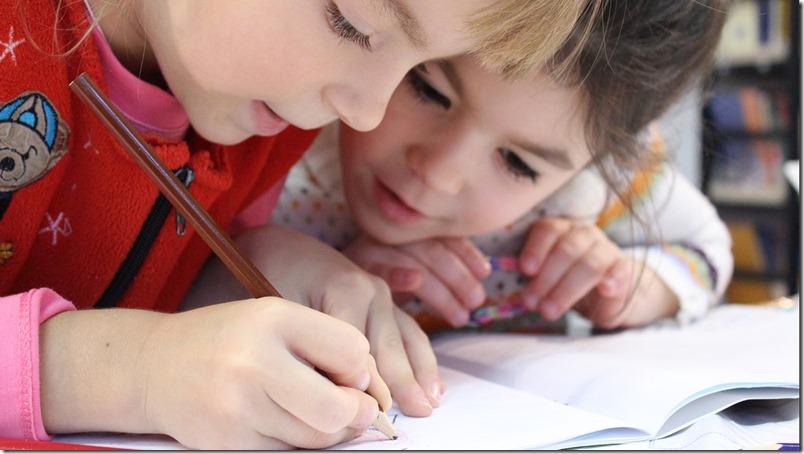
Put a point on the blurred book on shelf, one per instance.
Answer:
(760, 260)
(749, 171)
(750, 109)
(752, 291)
(751, 135)
(758, 247)
(756, 32)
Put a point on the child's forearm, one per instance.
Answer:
(92, 366)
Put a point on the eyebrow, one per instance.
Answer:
(410, 26)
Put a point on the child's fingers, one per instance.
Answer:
(399, 279)
(616, 281)
(610, 308)
(604, 306)
(276, 423)
(573, 252)
(422, 358)
(451, 269)
(568, 291)
(543, 235)
(437, 296)
(472, 257)
(372, 308)
(366, 379)
(338, 350)
(397, 269)
(391, 351)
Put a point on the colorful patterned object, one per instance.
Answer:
(511, 307)
(507, 309)
(504, 264)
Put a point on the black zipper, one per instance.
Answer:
(145, 240)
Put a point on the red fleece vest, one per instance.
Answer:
(71, 199)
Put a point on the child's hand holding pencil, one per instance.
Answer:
(298, 390)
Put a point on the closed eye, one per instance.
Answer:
(344, 29)
(426, 92)
(516, 166)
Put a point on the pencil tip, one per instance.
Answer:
(384, 425)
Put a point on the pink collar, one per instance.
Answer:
(149, 108)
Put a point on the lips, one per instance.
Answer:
(266, 121)
(393, 207)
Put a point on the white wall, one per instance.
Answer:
(681, 131)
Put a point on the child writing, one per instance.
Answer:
(224, 93)
(531, 168)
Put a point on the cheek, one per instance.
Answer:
(494, 208)
(258, 58)
(382, 145)
(356, 149)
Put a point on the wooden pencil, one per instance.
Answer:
(383, 424)
(220, 243)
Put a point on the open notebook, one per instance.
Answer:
(510, 391)
(518, 391)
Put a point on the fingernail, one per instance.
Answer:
(422, 398)
(459, 318)
(531, 302)
(435, 393)
(610, 286)
(528, 266)
(363, 380)
(549, 310)
(481, 269)
(477, 297)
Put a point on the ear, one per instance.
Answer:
(34, 110)
(60, 142)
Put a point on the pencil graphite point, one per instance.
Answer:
(383, 424)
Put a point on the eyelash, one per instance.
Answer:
(425, 92)
(517, 167)
(345, 30)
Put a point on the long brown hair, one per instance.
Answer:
(518, 37)
(639, 57)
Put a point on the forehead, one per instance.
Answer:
(435, 28)
(532, 110)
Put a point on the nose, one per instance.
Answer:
(7, 164)
(361, 101)
(443, 162)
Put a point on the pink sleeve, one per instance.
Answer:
(20, 317)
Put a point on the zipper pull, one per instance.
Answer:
(186, 175)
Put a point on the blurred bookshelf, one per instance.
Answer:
(752, 126)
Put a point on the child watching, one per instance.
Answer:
(523, 167)
(223, 92)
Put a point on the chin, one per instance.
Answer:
(396, 236)
(381, 233)
(219, 133)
